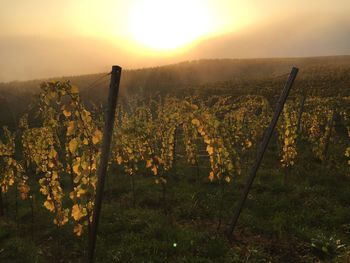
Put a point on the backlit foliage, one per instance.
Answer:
(64, 146)
(11, 171)
(287, 130)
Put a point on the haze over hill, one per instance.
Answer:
(320, 71)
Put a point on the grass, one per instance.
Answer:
(302, 218)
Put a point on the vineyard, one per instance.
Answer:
(176, 170)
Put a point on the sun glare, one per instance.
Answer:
(168, 25)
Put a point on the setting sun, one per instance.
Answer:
(168, 25)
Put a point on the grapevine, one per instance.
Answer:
(287, 130)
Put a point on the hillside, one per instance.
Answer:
(321, 76)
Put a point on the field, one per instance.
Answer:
(180, 159)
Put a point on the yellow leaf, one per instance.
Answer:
(347, 152)
(286, 141)
(66, 112)
(78, 229)
(194, 107)
(44, 191)
(248, 143)
(72, 195)
(23, 190)
(74, 89)
(207, 140)
(86, 116)
(52, 153)
(85, 165)
(149, 163)
(119, 160)
(85, 141)
(61, 218)
(211, 176)
(97, 137)
(73, 145)
(11, 181)
(80, 192)
(210, 150)
(196, 122)
(85, 181)
(51, 164)
(54, 176)
(49, 205)
(70, 128)
(76, 169)
(77, 213)
(227, 179)
(155, 170)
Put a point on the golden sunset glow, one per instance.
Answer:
(163, 26)
(75, 36)
(167, 25)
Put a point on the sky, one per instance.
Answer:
(40, 38)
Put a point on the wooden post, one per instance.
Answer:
(262, 149)
(102, 169)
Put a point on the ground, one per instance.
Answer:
(303, 217)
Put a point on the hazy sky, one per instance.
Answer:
(41, 38)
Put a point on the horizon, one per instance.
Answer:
(174, 64)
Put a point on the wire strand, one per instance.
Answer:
(91, 85)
